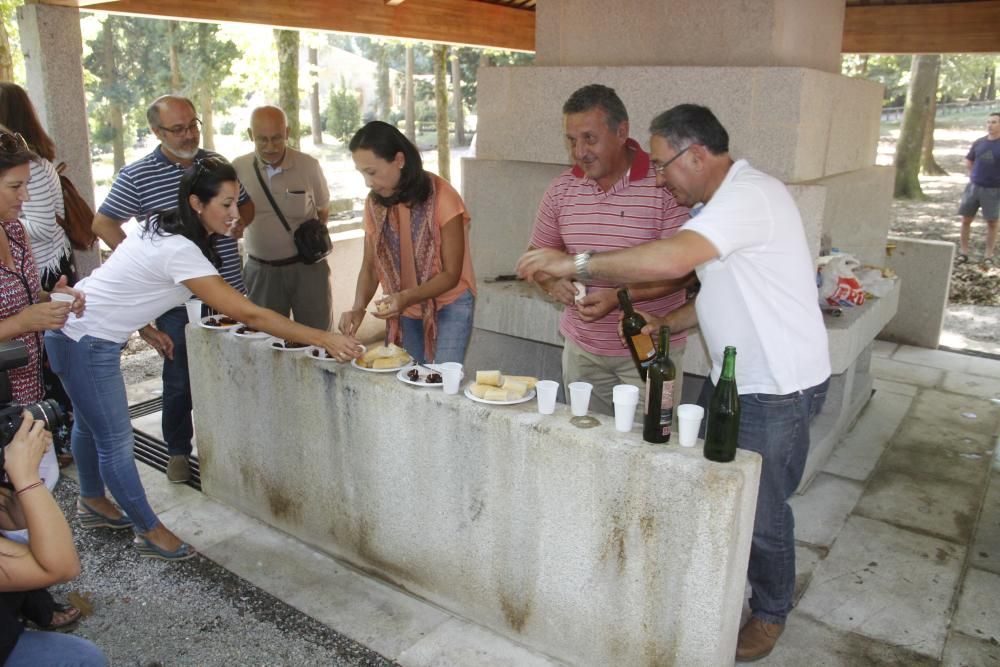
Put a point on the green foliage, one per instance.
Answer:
(343, 114)
(8, 8)
(963, 77)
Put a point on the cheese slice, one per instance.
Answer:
(494, 394)
(528, 380)
(492, 378)
(514, 388)
(479, 390)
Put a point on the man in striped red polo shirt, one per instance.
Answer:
(608, 200)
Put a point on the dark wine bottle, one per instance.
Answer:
(639, 344)
(659, 393)
(723, 428)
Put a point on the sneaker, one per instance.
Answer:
(178, 470)
(757, 639)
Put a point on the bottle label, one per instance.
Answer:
(644, 348)
(667, 407)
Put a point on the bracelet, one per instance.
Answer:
(29, 487)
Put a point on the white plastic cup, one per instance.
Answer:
(579, 398)
(689, 418)
(546, 391)
(194, 310)
(625, 397)
(451, 376)
(62, 297)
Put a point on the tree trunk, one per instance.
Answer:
(441, 98)
(175, 63)
(456, 87)
(288, 80)
(317, 121)
(411, 132)
(116, 117)
(6, 57)
(384, 103)
(911, 132)
(928, 165)
(205, 94)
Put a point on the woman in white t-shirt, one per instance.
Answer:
(148, 274)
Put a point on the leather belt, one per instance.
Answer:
(277, 262)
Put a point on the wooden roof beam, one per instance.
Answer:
(448, 21)
(959, 27)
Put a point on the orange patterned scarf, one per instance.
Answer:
(426, 242)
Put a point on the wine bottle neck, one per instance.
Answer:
(729, 365)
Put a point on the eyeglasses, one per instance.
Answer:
(181, 130)
(13, 142)
(660, 168)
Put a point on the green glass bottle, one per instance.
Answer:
(639, 344)
(660, 393)
(723, 428)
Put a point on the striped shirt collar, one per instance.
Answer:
(640, 163)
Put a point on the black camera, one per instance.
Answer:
(14, 355)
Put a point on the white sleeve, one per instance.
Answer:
(739, 219)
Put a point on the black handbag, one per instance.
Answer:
(312, 239)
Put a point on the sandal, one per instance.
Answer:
(91, 518)
(149, 550)
(70, 617)
(961, 258)
(989, 261)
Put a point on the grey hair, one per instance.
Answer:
(687, 124)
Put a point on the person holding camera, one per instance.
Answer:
(416, 248)
(26, 310)
(48, 558)
(289, 192)
(149, 273)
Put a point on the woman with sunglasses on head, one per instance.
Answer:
(48, 558)
(416, 248)
(26, 310)
(49, 243)
(149, 273)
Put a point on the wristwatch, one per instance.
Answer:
(580, 261)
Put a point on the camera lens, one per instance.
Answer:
(49, 413)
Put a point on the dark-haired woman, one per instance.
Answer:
(25, 312)
(416, 248)
(48, 558)
(149, 273)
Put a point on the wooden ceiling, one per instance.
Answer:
(870, 26)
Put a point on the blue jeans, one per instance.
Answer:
(178, 429)
(777, 428)
(454, 328)
(54, 649)
(102, 442)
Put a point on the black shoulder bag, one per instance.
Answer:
(312, 239)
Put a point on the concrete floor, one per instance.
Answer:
(898, 540)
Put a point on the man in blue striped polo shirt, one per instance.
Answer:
(148, 185)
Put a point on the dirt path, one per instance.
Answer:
(973, 319)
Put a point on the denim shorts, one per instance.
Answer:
(976, 196)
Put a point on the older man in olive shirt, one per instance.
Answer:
(275, 275)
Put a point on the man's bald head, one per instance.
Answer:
(175, 123)
(269, 133)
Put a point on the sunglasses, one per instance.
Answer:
(13, 142)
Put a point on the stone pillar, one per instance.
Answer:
(752, 33)
(53, 47)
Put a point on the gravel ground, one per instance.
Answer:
(155, 614)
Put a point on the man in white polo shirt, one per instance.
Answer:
(609, 199)
(758, 293)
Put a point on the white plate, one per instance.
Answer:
(214, 318)
(401, 376)
(279, 344)
(236, 331)
(354, 362)
(524, 399)
(325, 357)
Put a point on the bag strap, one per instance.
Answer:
(270, 198)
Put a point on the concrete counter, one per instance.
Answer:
(587, 545)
